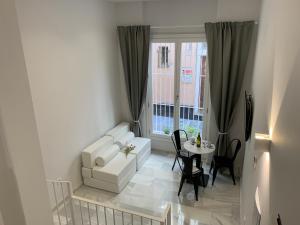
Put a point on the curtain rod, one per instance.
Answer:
(187, 26)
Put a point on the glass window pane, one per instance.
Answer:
(163, 70)
(192, 83)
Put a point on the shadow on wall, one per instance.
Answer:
(10, 202)
(282, 83)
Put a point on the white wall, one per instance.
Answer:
(23, 191)
(276, 91)
(70, 49)
(181, 13)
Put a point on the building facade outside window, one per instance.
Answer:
(163, 56)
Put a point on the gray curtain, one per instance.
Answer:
(134, 44)
(228, 50)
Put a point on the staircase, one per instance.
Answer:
(73, 210)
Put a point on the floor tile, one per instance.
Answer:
(155, 184)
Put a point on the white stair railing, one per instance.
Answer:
(73, 210)
(61, 198)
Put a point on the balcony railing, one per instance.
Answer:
(191, 119)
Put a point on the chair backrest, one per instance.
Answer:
(176, 139)
(187, 166)
(238, 146)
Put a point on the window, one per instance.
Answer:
(163, 57)
(188, 49)
(203, 77)
(178, 96)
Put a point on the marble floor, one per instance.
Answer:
(155, 183)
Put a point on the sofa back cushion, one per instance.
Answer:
(125, 139)
(89, 154)
(119, 131)
(107, 154)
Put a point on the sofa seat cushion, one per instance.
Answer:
(141, 145)
(107, 154)
(108, 186)
(142, 150)
(115, 169)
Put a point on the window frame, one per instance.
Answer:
(163, 141)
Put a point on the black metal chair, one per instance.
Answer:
(225, 161)
(190, 173)
(176, 139)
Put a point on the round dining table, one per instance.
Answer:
(204, 149)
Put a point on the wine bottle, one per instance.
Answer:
(198, 141)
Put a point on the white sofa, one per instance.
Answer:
(122, 136)
(105, 167)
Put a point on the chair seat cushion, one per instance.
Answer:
(197, 170)
(185, 153)
(115, 169)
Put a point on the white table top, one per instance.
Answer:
(202, 150)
